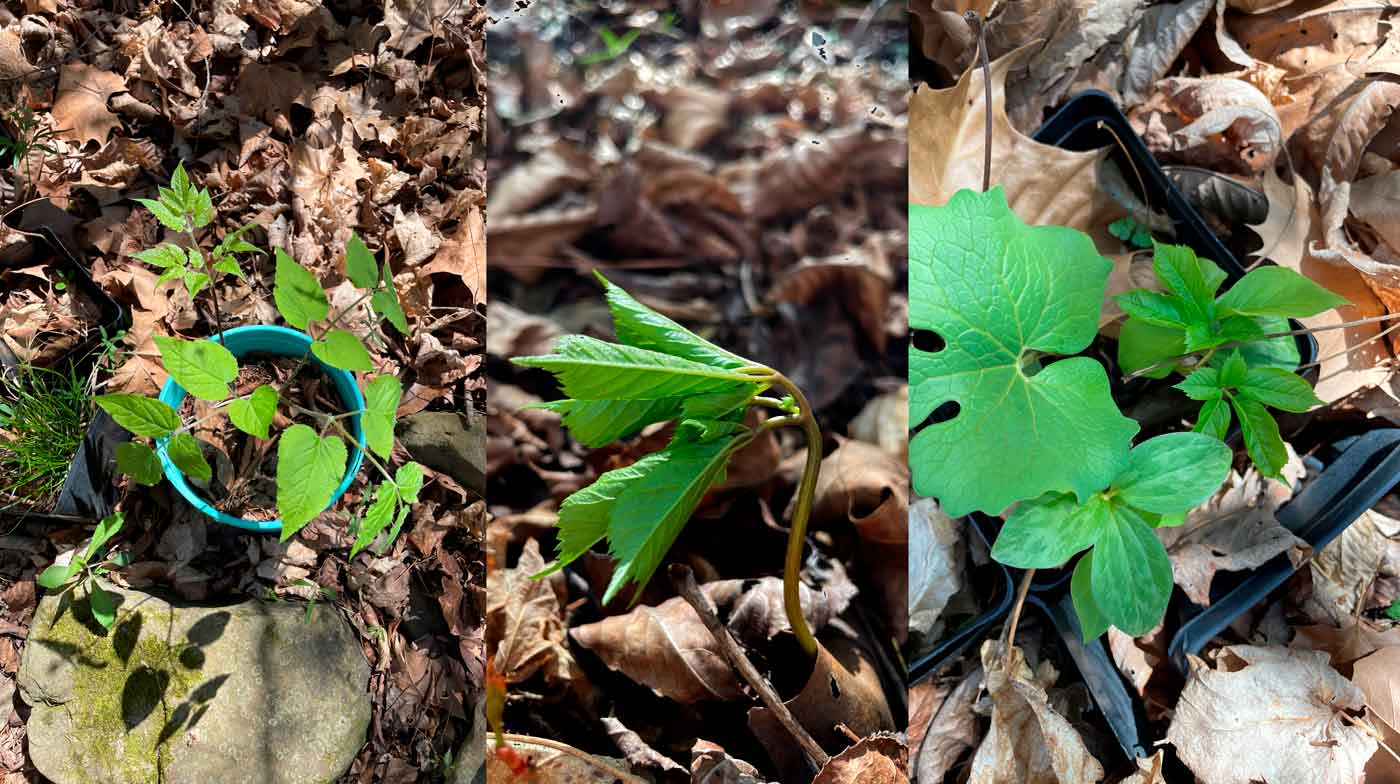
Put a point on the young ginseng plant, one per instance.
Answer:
(1230, 347)
(1125, 579)
(659, 371)
(311, 462)
(83, 569)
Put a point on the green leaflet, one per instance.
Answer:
(1173, 473)
(204, 368)
(995, 289)
(637, 325)
(341, 349)
(103, 605)
(584, 515)
(1261, 436)
(381, 407)
(590, 369)
(143, 416)
(185, 453)
(309, 469)
(1044, 533)
(297, 293)
(140, 462)
(1131, 573)
(254, 414)
(596, 423)
(380, 513)
(360, 266)
(1092, 622)
(1277, 291)
(386, 304)
(408, 481)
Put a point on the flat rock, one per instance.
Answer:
(179, 694)
(449, 443)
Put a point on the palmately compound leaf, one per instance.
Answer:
(650, 512)
(299, 296)
(204, 368)
(167, 217)
(360, 266)
(381, 407)
(185, 453)
(997, 291)
(254, 414)
(590, 369)
(341, 349)
(143, 416)
(584, 515)
(637, 325)
(309, 469)
(140, 462)
(1131, 573)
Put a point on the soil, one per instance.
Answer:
(245, 468)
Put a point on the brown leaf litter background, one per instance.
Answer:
(312, 121)
(742, 171)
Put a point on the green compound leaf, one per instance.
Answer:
(1192, 282)
(1092, 622)
(1278, 389)
(1203, 384)
(1261, 437)
(995, 289)
(253, 414)
(1131, 575)
(584, 515)
(143, 416)
(1046, 532)
(185, 453)
(195, 281)
(360, 266)
(164, 257)
(298, 294)
(381, 407)
(1142, 346)
(167, 217)
(341, 349)
(596, 423)
(1173, 473)
(637, 325)
(140, 462)
(309, 469)
(204, 368)
(590, 369)
(1152, 307)
(650, 513)
(1277, 291)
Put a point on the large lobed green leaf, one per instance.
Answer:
(995, 290)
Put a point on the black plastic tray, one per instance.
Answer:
(89, 492)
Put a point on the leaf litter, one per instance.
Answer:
(741, 178)
(313, 121)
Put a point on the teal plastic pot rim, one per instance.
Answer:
(278, 342)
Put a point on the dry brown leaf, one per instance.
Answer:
(1359, 637)
(1028, 742)
(881, 758)
(936, 558)
(1307, 37)
(1149, 771)
(1376, 201)
(1269, 714)
(943, 33)
(525, 621)
(885, 422)
(856, 479)
(80, 111)
(1343, 572)
(860, 277)
(952, 731)
(1215, 122)
(551, 762)
(13, 64)
(1378, 676)
(411, 22)
(694, 114)
(668, 649)
(812, 170)
(1043, 184)
(1284, 233)
(711, 764)
(546, 174)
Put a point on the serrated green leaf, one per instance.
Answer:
(381, 408)
(1173, 473)
(1261, 437)
(637, 325)
(1277, 291)
(167, 217)
(341, 349)
(103, 605)
(1045, 532)
(360, 266)
(994, 288)
(203, 367)
(597, 423)
(1214, 418)
(386, 304)
(185, 453)
(180, 180)
(1130, 575)
(1232, 373)
(1179, 269)
(1278, 389)
(171, 273)
(376, 518)
(195, 281)
(254, 414)
(297, 293)
(201, 209)
(584, 515)
(1142, 345)
(1202, 384)
(229, 266)
(142, 416)
(164, 257)
(1152, 307)
(590, 369)
(1092, 623)
(399, 518)
(140, 462)
(309, 469)
(1280, 352)
(651, 511)
(408, 481)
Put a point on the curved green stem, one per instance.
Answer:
(802, 511)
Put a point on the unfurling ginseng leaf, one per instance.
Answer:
(999, 294)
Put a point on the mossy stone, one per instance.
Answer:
(245, 692)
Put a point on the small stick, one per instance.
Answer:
(684, 581)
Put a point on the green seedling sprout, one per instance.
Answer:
(84, 569)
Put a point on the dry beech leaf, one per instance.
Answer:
(525, 621)
(553, 170)
(411, 22)
(1269, 714)
(881, 758)
(1044, 184)
(711, 764)
(885, 422)
(1284, 233)
(936, 557)
(843, 690)
(1234, 530)
(856, 479)
(811, 170)
(80, 109)
(1343, 572)
(1028, 742)
(1376, 676)
(953, 730)
(861, 277)
(1212, 122)
(464, 254)
(668, 649)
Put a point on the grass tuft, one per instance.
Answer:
(43, 416)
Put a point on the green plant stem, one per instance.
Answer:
(801, 513)
(213, 281)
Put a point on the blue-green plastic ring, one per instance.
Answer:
(277, 342)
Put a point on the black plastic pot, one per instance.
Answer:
(89, 492)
